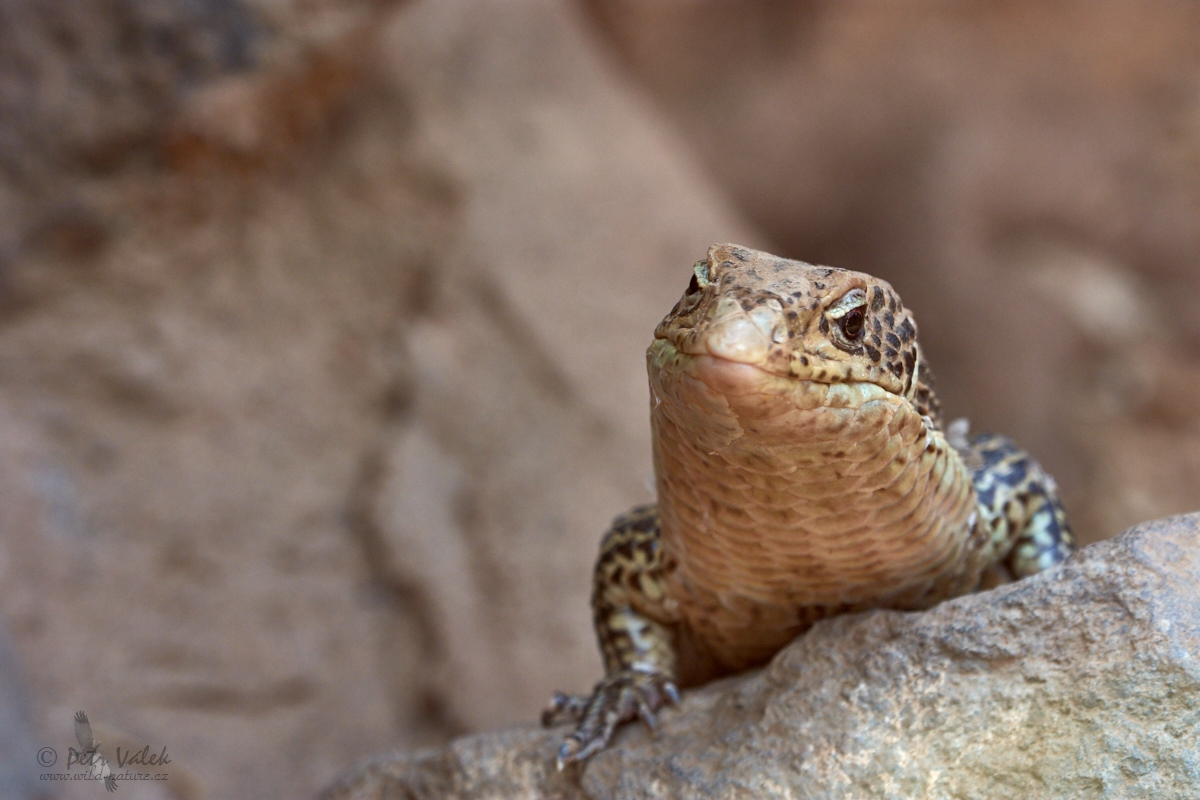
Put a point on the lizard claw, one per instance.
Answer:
(618, 698)
(646, 714)
(573, 750)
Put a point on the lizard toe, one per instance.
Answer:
(564, 707)
(621, 697)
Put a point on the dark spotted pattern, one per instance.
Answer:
(629, 555)
(1016, 495)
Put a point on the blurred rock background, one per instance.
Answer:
(321, 321)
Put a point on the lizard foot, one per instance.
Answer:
(618, 698)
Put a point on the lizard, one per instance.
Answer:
(802, 469)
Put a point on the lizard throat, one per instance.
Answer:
(777, 493)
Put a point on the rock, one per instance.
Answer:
(1080, 682)
(321, 374)
(18, 772)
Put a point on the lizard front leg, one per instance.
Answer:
(634, 622)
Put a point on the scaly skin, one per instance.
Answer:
(802, 470)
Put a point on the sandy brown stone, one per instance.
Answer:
(295, 460)
(1080, 682)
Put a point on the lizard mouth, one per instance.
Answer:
(740, 382)
(733, 378)
(744, 380)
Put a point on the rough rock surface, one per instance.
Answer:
(1081, 682)
(283, 360)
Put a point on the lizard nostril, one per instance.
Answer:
(768, 318)
(737, 338)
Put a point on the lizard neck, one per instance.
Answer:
(802, 498)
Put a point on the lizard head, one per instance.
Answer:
(791, 320)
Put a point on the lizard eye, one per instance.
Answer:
(849, 314)
(852, 323)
